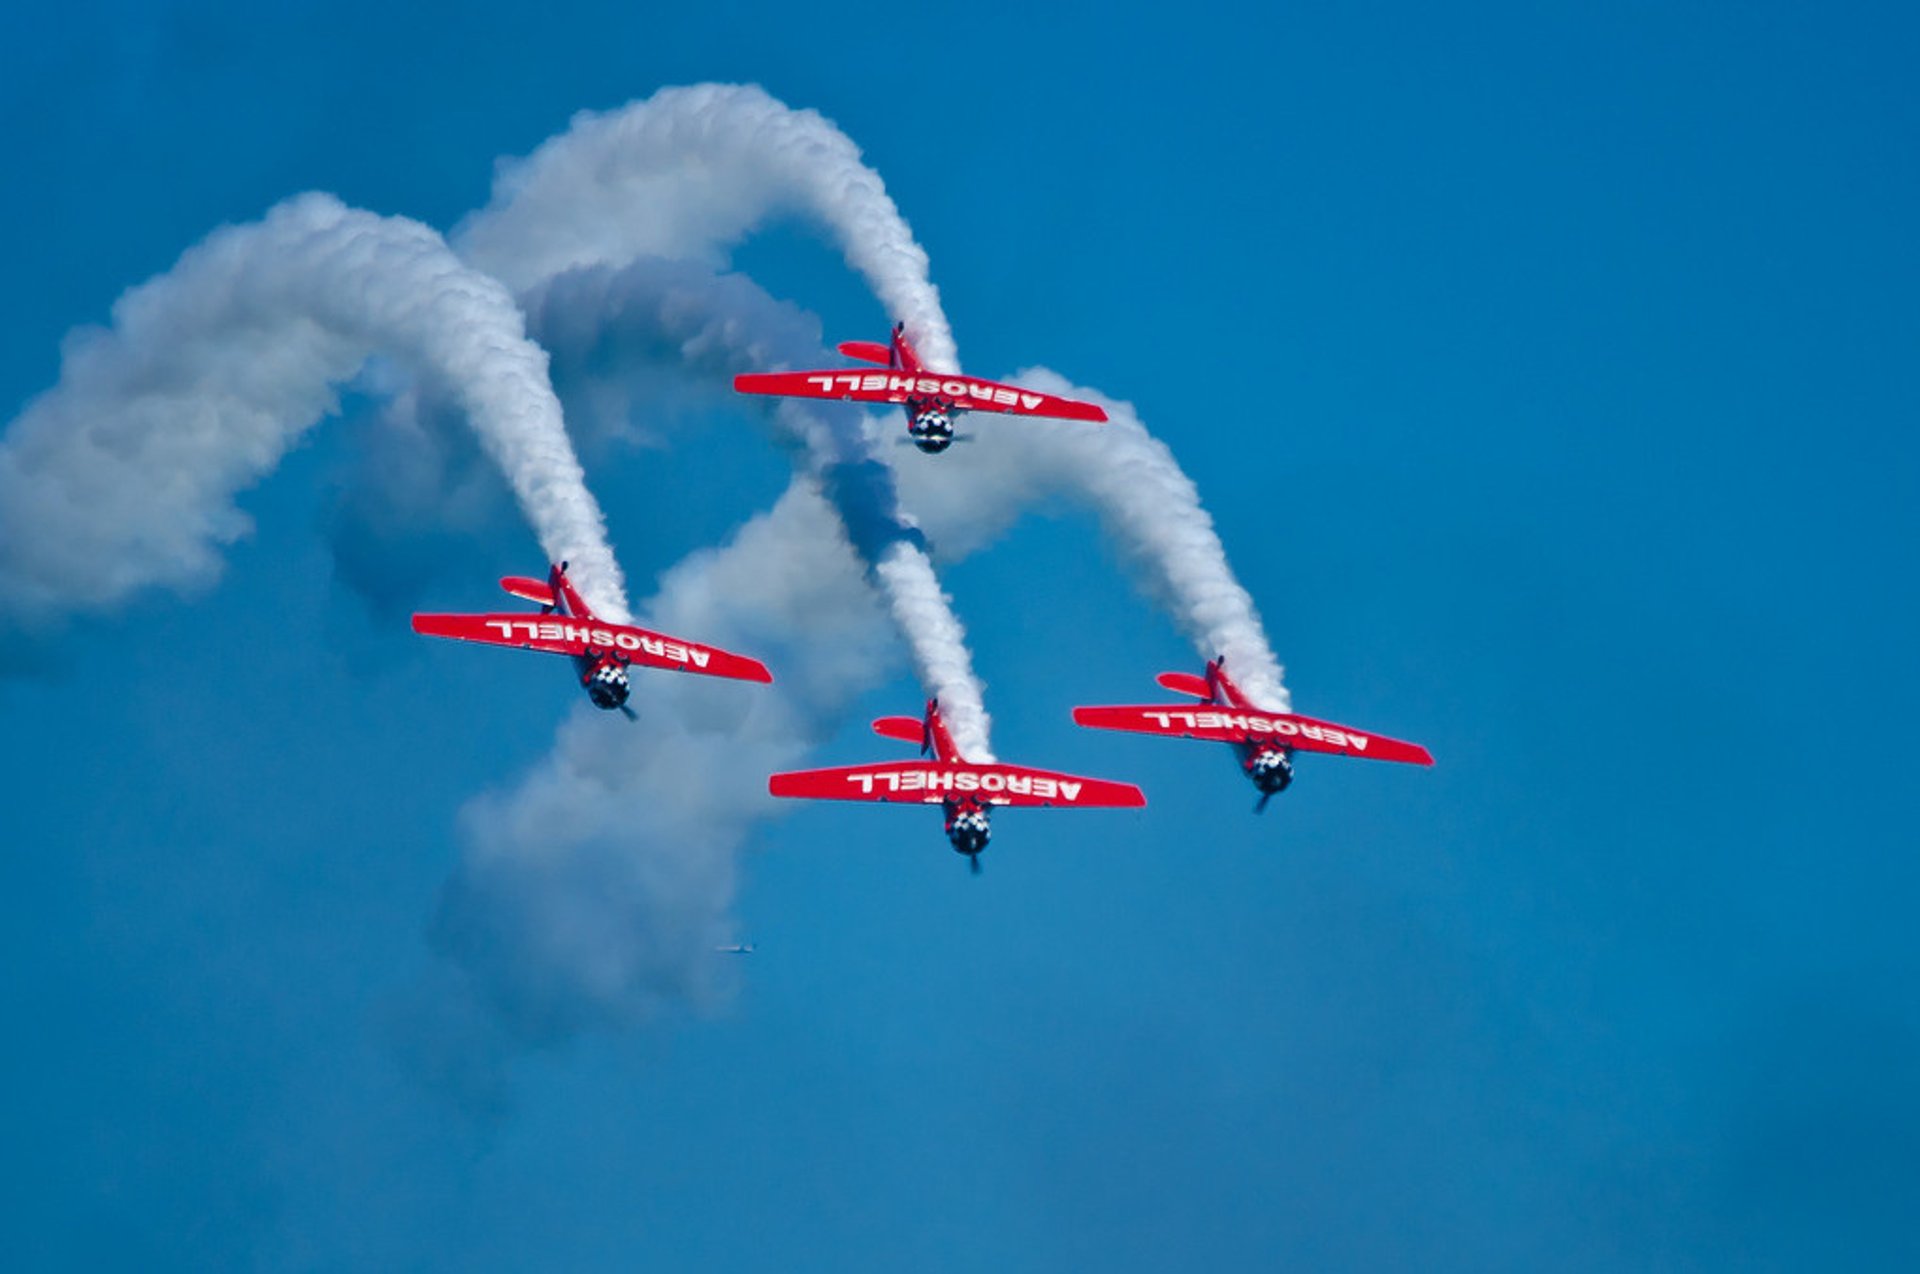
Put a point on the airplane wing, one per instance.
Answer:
(931, 782)
(1235, 725)
(560, 635)
(969, 393)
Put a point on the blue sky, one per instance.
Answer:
(1550, 377)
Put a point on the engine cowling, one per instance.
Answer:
(1271, 769)
(607, 684)
(931, 429)
(968, 827)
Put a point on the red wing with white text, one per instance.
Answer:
(966, 790)
(933, 400)
(1265, 741)
(601, 651)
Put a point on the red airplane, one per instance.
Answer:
(602, 652)
(1266, 741)
(966, 789)
(932, 399)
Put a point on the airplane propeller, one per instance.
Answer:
(631, 715)
(1260, 806)
(973, 864)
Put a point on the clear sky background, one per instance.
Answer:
(1551, 376)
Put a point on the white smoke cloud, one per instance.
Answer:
(123, 475)
(595, 891)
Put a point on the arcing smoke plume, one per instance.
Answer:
(688, 173)
(123, 475)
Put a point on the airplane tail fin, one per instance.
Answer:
(902, 350)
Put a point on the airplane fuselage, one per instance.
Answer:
(1267, 762)
(603, 672)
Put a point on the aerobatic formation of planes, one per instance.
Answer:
(1264, 741)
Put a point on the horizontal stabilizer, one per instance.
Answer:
(906, 729)
(868, 352)
(1185, 683)
(532, 590)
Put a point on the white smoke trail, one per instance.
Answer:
(123, 475)
(1147, 504)
(689, 172)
